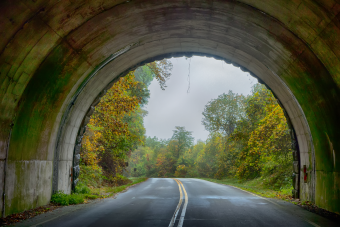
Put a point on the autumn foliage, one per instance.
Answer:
(249, 138)
(116, 126)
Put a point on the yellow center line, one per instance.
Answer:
(173, 219)
(181, 220)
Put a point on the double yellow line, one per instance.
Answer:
(181, 220)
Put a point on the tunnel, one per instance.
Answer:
(59, 57)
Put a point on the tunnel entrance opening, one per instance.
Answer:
(291, 143)
(50, 50)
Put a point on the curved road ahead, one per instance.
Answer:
(181, 202)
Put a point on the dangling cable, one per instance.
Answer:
(188, 91)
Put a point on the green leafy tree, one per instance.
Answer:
(183, 140)
(222, 114)
(189, 158)
(207, 160)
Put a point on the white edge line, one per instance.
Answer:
(310, 222)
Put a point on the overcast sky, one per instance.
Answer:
(175, 106)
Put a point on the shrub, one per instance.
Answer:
(118, 180)
(75, 198)
(60, 198)
(91, 177)
(82, 189)
(63, 199)
(92, 196)
(181, 171)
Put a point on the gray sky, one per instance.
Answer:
(174, 106)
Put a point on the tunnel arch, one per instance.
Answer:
(49, 50)
(73, 127)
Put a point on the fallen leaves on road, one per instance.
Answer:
(15, 218)
(283, 196)
(311, 207)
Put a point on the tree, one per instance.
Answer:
(119, 116)
(161, 71)
(221, 114)
(184, 140)
(189, 158)
(271, 140)
(207, 159)
(257, 104)
(91, 146)
(165, 164)
(116, 127)
(264, 136)
(144, 75)
(141, 162)
(249, 137)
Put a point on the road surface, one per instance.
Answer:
(181, 202)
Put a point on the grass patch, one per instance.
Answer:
(256, 186)
(82, 189)
(109, 191)
(83, 193)
(60, 198)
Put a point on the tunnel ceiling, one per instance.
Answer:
(48, 49)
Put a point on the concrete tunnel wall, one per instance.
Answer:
(49, 48)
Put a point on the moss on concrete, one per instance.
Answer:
(40, 104)
(328, 190)
(37, 112)
(316, 92)
(28, 185)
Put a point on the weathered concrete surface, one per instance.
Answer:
(2, 179)
(48, 49)
(28, 184)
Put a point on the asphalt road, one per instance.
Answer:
(163, 202)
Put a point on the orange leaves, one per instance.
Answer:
(108, 134)
(181, 171)
(91, 146)
(270, 129)
(115, 106)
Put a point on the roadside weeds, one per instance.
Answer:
(282, 195)
(96, 193)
